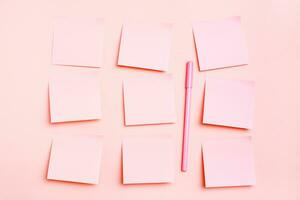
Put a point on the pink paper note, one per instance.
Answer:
(149, 100)
(148, 159)
(78, 41)
(220, 43)
(74, 94)
(229, 103)
(228, 162)
(145, 46)
(75, 159)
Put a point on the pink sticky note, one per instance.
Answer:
(74, 94)
(145, 46)
(229, 103)
(75, 159)
(228, 162)
(148, 159)
(149, 100)
(220, 43)
(78, 41)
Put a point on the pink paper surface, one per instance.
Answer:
(74, 94)
(228, 162)
(75, 159)
(148, 159)
(149, 100)
(220, 43)
(78, 41)
(145, 45)
(229, 103)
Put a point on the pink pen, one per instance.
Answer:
(186, 126)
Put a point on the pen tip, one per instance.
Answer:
(190, 63)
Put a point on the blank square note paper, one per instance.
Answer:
(149, 100)
(220, 43)
(145, 46)
(75, 159)
(78, 41)
(229, 103)
(148, 160)
(74, 94)
(228, 162)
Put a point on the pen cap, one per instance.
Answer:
(189, 74)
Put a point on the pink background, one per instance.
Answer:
(272, 31)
